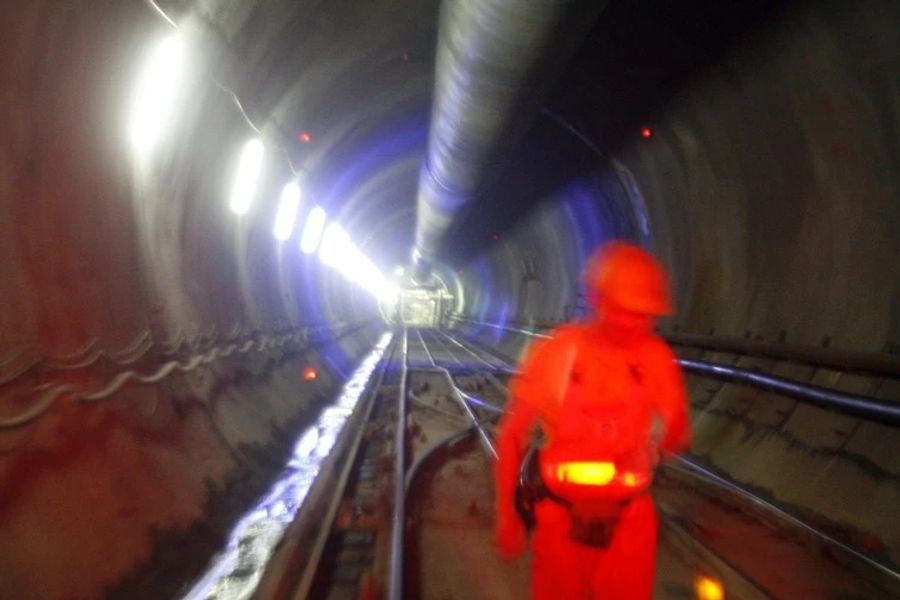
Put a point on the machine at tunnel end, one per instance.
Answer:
(425, 300)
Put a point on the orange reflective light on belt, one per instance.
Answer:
(586, 473)
(595, 473)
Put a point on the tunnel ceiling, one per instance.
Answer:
(357, 78)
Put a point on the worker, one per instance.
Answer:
(607, 398)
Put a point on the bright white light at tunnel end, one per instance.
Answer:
(287, 211)
(156, 93)
(334, 251)
(312, 230)
(339, 252)
(244, 185)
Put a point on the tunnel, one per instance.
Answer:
(246, 243)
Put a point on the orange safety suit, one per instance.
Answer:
(604, 363)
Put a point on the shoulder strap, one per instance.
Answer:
(569, 352)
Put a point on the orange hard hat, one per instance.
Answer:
(631, 278)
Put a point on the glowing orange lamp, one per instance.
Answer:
(707, 588)
(586, 473)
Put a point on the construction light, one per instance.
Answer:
(247, 174)
(707, 588)
(340, 253)
(287, 211)
(312, 230)
(335, 246)
(157, 90)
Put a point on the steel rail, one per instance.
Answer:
(698, 471)
(304, 585)
(481, 403)
(487, 372)
(681, 534)
(490, 376)
(398, 519)
(405, 477)
(445, 349)
(425, 347)
(477, 357)
(417, 464)
(504, 328)
(442, 371)
(485, 438)
(419, 402)
(854, 405)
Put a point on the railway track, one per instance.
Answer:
(404, 508)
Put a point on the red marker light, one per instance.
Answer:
(646, 132)
(310, 374)
(305, 138)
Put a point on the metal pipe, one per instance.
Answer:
(851, 404)
(395, 584)
(882, 365)
(495, 61)
(872, 363)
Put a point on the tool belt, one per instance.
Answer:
(594, 523)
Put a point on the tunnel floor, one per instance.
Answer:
(340, 544)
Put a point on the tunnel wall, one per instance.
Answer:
(771, 185)
(128, 497)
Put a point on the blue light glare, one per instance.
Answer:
(236, 571)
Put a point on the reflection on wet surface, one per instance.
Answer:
(236, 571)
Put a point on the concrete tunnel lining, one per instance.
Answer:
(771, 191)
